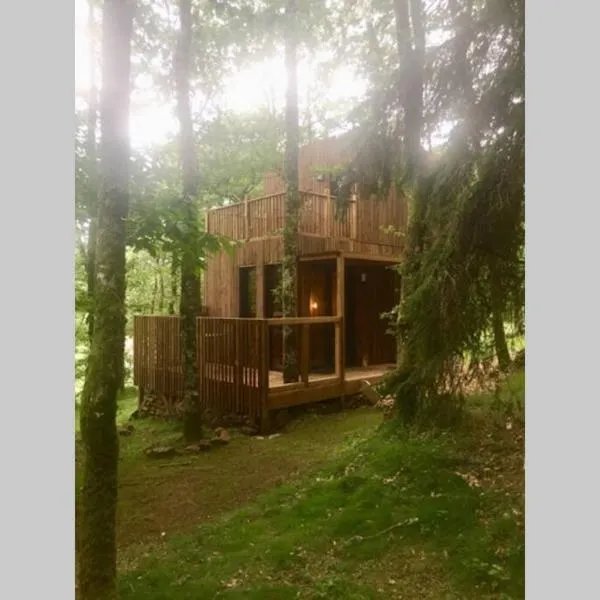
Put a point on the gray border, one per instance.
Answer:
(37, 300)
(562, 300)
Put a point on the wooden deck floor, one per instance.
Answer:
(321, 386)
(371, 373)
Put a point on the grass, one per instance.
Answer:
(172, 496)
(330, 509)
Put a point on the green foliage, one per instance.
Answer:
(397, 513)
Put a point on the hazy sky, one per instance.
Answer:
(247, 90)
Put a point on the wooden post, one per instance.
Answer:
(305, 354)
(246, 219)
(353, 208)
(237, 326)
(260, 283)
(264, 378)
(339, 328)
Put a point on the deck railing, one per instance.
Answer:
(363, 221)
(233, 360)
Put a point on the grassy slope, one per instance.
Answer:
(172, 496)
(395, 515)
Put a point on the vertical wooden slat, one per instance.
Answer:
(264, 376)
(339, 328)
(305, 354)
(238, 327)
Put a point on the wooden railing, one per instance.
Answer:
(261, 217)
(233, 360)
(233, 365)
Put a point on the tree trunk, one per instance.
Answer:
(289, 279)
(90, 263)
(410, 38)
(154, 293)
(173, 282)
(500, 344)
(190, 283)
(98, 501)
(161, 285)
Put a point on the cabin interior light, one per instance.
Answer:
(314, 305)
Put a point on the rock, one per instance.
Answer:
(201, 446)
(224, 435)
(221, 438)
(161, 452)
(249, 430)
(126, 430)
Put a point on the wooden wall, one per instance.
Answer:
(320, 154)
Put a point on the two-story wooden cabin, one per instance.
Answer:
(345, 283)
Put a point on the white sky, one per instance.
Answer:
(248, 90)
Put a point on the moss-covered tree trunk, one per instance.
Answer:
(500, 345)
(410, 40)
(98, 501)
(92, 120)
(190, 282)
(289, 278)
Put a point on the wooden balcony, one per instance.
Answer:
(233, 365)
(362, 221)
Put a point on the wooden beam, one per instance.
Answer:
(373, 258)
(237, 326)
(246, 219)
(315, 257)
(279, 321)
(322, 390)
(263, 381)
(305, 354)
(260, 284)
(340, 360)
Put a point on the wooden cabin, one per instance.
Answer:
(345, 283)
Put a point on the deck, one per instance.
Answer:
(233, 365)
(351, 374)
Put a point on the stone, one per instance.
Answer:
(249, 430)
(126, 430)
(161, 452)
(221, 437)
(201, 446)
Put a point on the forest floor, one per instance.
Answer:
(338, 506)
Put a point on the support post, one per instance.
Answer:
(264, 379)
(260, 284)
(340, 359)
(246, 219)
(305, 354)
(238, 373)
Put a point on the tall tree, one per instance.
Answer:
(97, 547)
(92, 201)
(190, 281)
(289, 286)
